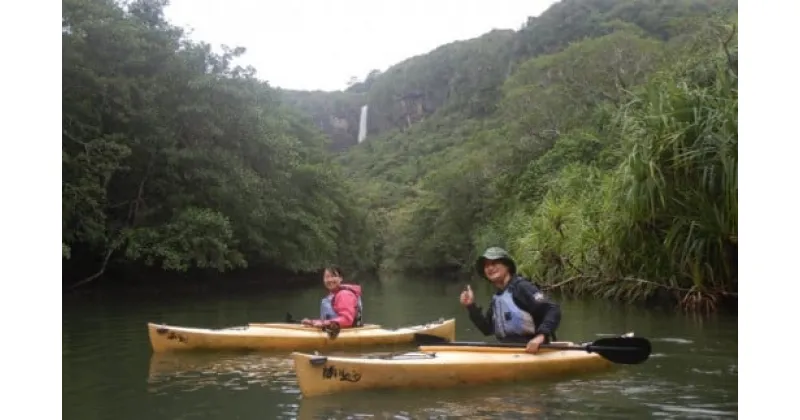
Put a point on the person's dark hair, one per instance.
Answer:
(334, 269)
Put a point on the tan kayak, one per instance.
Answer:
(440, 366)
(173, 338)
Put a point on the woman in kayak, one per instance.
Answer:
(342, 306)
(525, 314)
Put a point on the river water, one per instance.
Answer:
(110, 372)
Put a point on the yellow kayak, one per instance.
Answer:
(445, 366)
(288, 337)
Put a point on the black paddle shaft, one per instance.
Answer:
(332, 331)
(623, 350)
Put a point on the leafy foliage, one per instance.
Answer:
(598, 143)
(616, 119)
(175, 158)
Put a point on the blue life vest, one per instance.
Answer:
(509, 319)
(326, 311)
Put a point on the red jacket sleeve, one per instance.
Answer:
(345, 304)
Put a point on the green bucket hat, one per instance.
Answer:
(496, 253)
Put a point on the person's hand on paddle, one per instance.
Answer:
(533, 345)
(467, 297)
(316, 323)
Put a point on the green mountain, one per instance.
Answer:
(466, 76)
(598, 143)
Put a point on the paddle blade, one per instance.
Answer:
(622, 350)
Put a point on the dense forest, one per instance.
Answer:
(598, 143)
(175, 159)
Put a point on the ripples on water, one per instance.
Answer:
(110, 373)
(620, 393)
(170, 373)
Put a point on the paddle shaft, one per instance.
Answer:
(625, 350)
(332, 332)
(590, 348)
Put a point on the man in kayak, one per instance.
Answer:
(519, 311)
(342, 306)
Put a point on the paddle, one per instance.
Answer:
(332, 330)
(622, 350)
(290, 320)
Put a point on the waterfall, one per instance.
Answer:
(362, 125)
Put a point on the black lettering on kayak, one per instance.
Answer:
(332, 372)
(173, 336)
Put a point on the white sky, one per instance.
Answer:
(320, 44)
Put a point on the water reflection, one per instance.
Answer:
(611, 395)
(474, 403)
(192, 371)
(622, 392)
(110, 371)
(171, 372)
